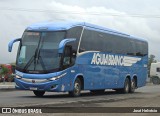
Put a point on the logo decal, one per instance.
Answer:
(33, 81)
(118, 60)
(129, 61)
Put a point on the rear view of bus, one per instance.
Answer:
(75, 56)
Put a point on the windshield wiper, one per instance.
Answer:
(38, 57)
(35, 58)
(31, 60)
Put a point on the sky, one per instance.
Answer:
(140, 18)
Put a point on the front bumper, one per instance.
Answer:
(54, 86)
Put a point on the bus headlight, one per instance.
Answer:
(57, 77)
(18, 77)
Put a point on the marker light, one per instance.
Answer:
(57, 77)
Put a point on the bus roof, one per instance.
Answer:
(65, 25)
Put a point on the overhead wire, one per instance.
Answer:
(81, 13)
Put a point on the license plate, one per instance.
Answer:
(33, 88)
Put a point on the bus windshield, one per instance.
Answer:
(39, 51)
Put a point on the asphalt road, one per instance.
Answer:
(148, 96)
(27, 98)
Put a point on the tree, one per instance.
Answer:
(4, 71)
(151, 59)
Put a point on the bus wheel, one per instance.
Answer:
(39, 93)
(77, 88)
(126, 86)
(132, 86)
(155, 80)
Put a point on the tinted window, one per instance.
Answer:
(105, 42)
(91, 41)
(140, 48)
(144, 49)
(39, 51)
(74, 32)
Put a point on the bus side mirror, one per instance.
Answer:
(10, 45)
(67, 55)
(63, 43)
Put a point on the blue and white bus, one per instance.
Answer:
(75, 56)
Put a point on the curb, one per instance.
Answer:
(7, 87)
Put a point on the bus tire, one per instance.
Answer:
(156, 80)
(39, 93)
(132, 86)
(77, 88)
(126, 87)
